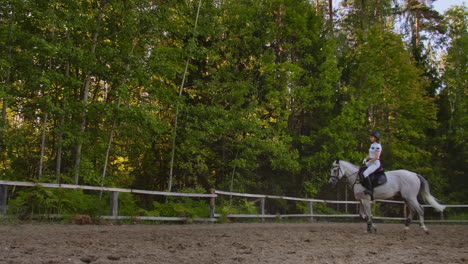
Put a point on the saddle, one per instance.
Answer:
(377, 178)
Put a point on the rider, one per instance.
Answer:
(372, 160)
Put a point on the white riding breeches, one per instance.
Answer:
(371, 168)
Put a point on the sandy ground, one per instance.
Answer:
(232, 243)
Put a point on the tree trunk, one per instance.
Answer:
(114, 123)
(46, 115)
(231, 187)
(58, 164)
(174, 133)
(43, 137)
(76, 171)
(8, 76)
(416, 28)
(109, 143)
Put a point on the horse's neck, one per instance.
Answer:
(350, 172)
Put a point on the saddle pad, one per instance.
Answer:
(377, 178)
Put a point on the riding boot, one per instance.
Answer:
(369, 190)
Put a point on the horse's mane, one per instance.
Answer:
(349, 163)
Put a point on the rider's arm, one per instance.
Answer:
(364, 161)
(376, 156)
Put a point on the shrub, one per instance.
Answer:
(181, 206)
(44, 201)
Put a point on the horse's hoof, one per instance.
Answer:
(425, 229)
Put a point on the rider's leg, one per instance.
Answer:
(372, 167)
(370, 189)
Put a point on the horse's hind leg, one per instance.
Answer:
(416, 207)
(409, 217)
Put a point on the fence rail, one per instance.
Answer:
(212, 217)
(109, 189)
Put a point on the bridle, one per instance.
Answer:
(337, 170)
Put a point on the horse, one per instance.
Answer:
(406, 183)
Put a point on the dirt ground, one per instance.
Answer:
(232, 243)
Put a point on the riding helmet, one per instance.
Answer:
(375, 134)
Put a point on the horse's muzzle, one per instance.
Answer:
(333, 180)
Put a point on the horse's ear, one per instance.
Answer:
(337, 161)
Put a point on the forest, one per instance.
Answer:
(257, 96)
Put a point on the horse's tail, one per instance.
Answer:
(425, 192)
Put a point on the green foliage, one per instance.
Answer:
(319, 208)
(239, 206)
(271, 97)
(181, 206)
(450, 149)
(37, 201)
(45, 201)
(128, 205)
(78, 202)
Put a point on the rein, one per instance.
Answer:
(357, 181)
(337, 176)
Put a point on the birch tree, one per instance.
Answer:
(87, 85)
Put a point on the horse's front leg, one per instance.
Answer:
(361, 210)
(366, 205)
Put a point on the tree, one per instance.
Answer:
(423, 25)
(90, 91)
(388, 87)
(87, 85)
(361, 15)
(453, 103)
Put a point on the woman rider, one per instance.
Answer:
(372, 160)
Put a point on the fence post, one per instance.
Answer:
(114, 204)
(262, 208)
(3, 198)
(212, 204)
(311, 210)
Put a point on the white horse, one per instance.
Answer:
(406, 183)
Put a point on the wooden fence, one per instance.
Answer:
(310, 214)
(114, 196)
(212, 217)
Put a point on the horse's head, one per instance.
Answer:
(336, 173)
